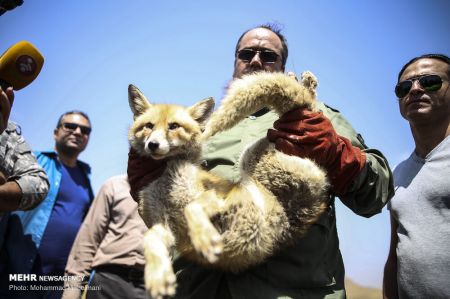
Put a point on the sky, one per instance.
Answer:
(183, 51)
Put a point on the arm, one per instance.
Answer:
(373, 186)
(359, 176)
(27, 183)
(11, 194)
(88, 240)
(390, 289)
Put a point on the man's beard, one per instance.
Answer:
(68, 151)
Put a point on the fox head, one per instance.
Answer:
(162, 130)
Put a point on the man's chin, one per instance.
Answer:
(71, 150)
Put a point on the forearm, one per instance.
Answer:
(19, 166)
(84, 249)
(34, 186)
(10, 196)
(390, 285)
(79, 265)
(372, 188)
(89, 238)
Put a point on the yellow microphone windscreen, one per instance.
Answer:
(20, 65)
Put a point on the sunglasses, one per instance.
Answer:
(70, 127)
(266, 56)
(427, 82)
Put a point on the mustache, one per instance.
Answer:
(252, 70)
(247, 71)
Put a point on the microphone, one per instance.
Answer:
(20, 65)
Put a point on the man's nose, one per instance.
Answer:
(416, 87)
(256, 61)
(78, 131)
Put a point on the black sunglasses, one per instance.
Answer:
(266, 56)
(70, 127)
(427, 82)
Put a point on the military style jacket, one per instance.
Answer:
(313, 267)
(18, 164)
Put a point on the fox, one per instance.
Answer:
(208, 219)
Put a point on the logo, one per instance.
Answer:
(26, 65)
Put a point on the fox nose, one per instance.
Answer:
(153, 146)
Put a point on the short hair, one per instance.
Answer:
(59, 123)
(440, 57)
(275, 29)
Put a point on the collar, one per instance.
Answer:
(260, 112)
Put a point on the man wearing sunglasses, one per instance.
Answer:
(418, 264)
(313, 266)
(40, 240)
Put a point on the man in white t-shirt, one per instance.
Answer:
(418, 265)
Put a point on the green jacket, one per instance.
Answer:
(313, 267)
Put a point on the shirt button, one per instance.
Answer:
(252, 117)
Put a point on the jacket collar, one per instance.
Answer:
(53, 155)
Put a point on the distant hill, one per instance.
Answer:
(356, 291)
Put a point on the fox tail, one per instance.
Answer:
(251, 93)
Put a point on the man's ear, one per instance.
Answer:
(202, 110)
(138, 102)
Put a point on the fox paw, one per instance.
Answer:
(208, 242)
(160, 284)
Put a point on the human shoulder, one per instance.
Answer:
(13, 128)
(47, 159)
(118, 180)
(341, 124)
(115, 184)
(12, 142)
(406, 170)
(47, 154)
(12, 134)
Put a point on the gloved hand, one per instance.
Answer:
(142, 171)
(306, 134)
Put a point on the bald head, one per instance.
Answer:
(267, 52)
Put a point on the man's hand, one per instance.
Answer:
(308, 134)
(6, 102)
(3, 178)
(142, 171)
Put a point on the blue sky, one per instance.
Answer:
(181, 52)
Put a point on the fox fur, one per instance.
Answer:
(230, 226)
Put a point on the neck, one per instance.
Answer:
(427, 137)
(67, 159)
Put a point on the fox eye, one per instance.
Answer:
(149, 126)
(173, 126)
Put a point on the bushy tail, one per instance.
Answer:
(251, 93)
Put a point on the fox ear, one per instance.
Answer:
(202, 110)
(138, 102)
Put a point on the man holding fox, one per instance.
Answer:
(312, 267)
